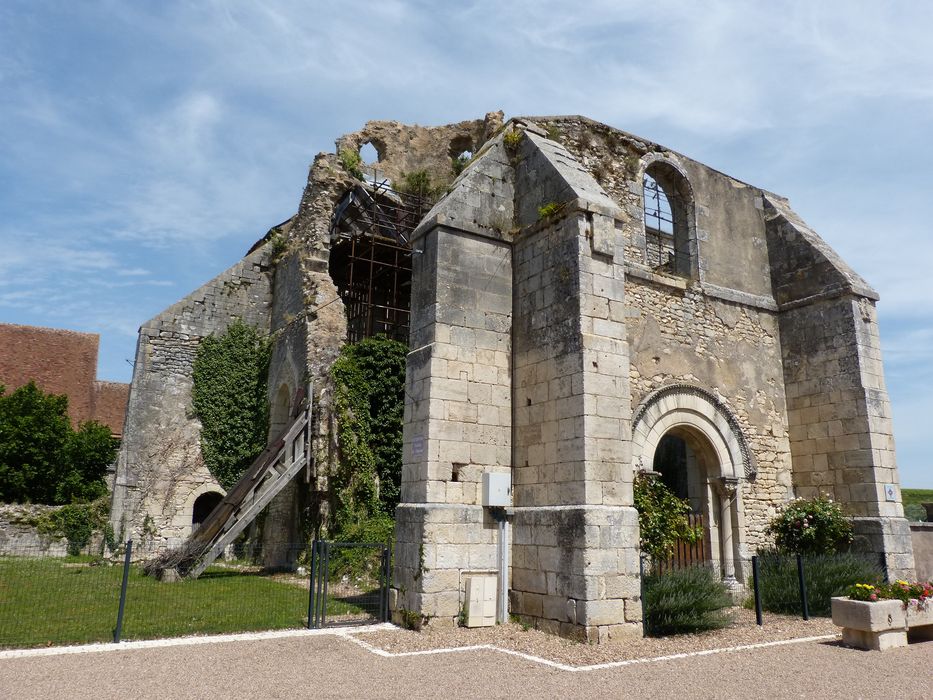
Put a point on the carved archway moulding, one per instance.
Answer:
(691, 406)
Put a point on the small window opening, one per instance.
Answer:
(460, 152)
(459, 162)
(369, 154)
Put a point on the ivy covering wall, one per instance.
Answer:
(229, 397)
(369, 393)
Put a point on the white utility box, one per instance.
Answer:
(479, 606)
(497, 489)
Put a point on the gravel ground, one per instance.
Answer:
(512, 636)
(334, 667)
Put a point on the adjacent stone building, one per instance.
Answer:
(583, 305)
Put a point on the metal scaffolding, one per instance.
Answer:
(370, 258)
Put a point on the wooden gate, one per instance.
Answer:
(686, 553)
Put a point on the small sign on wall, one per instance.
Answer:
(890, 492)
(417, 446)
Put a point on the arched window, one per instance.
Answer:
(670, 243)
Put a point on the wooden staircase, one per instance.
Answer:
(279, 463)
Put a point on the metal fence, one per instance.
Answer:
(47, 600)
(804, 584)
(349, 583)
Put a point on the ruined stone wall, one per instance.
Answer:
(404, 148)
(717, 330)
(160, 471)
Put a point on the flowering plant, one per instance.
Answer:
(816, 526)
(899, 590)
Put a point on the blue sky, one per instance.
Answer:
(146, 145)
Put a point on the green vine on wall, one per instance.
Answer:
(662, 517)
(229, 397)
(369, 391)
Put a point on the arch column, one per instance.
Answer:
(727, 488)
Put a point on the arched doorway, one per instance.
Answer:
(690, 438)
(280, 411)
(203, 506)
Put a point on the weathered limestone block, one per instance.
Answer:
(881, 625)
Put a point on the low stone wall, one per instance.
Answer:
(921, 536)
(18, 533)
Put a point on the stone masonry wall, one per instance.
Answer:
(575, 548)
(679, 334)
(159, 470)
(457, 418)
(841, 433)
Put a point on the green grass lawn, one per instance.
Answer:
(912, 499)
(66, 601)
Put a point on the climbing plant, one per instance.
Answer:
(662, 517)
(369, 390)
(229, 397)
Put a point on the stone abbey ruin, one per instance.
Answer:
(580, 305)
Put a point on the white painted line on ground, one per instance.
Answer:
(349, 633)
(187, 641)
(576, 669)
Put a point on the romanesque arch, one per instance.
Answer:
(719, 460)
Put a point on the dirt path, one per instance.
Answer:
(334, 666)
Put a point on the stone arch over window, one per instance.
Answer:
(669, 219)
(195, 507)
(693, 441)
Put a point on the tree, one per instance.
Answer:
(229, 396)
(42, 459)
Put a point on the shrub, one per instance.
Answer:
(361, 564)
(692, 599)
(662, 517)
(76, 522)
(815, 526)
(369, 401)
(826, 575)
(351, 162)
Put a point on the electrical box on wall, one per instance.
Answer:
(480, 601)
(497, 489)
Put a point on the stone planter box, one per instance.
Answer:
(881, 625)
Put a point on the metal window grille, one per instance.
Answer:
(371, 258)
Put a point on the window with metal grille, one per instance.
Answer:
(667, 209)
